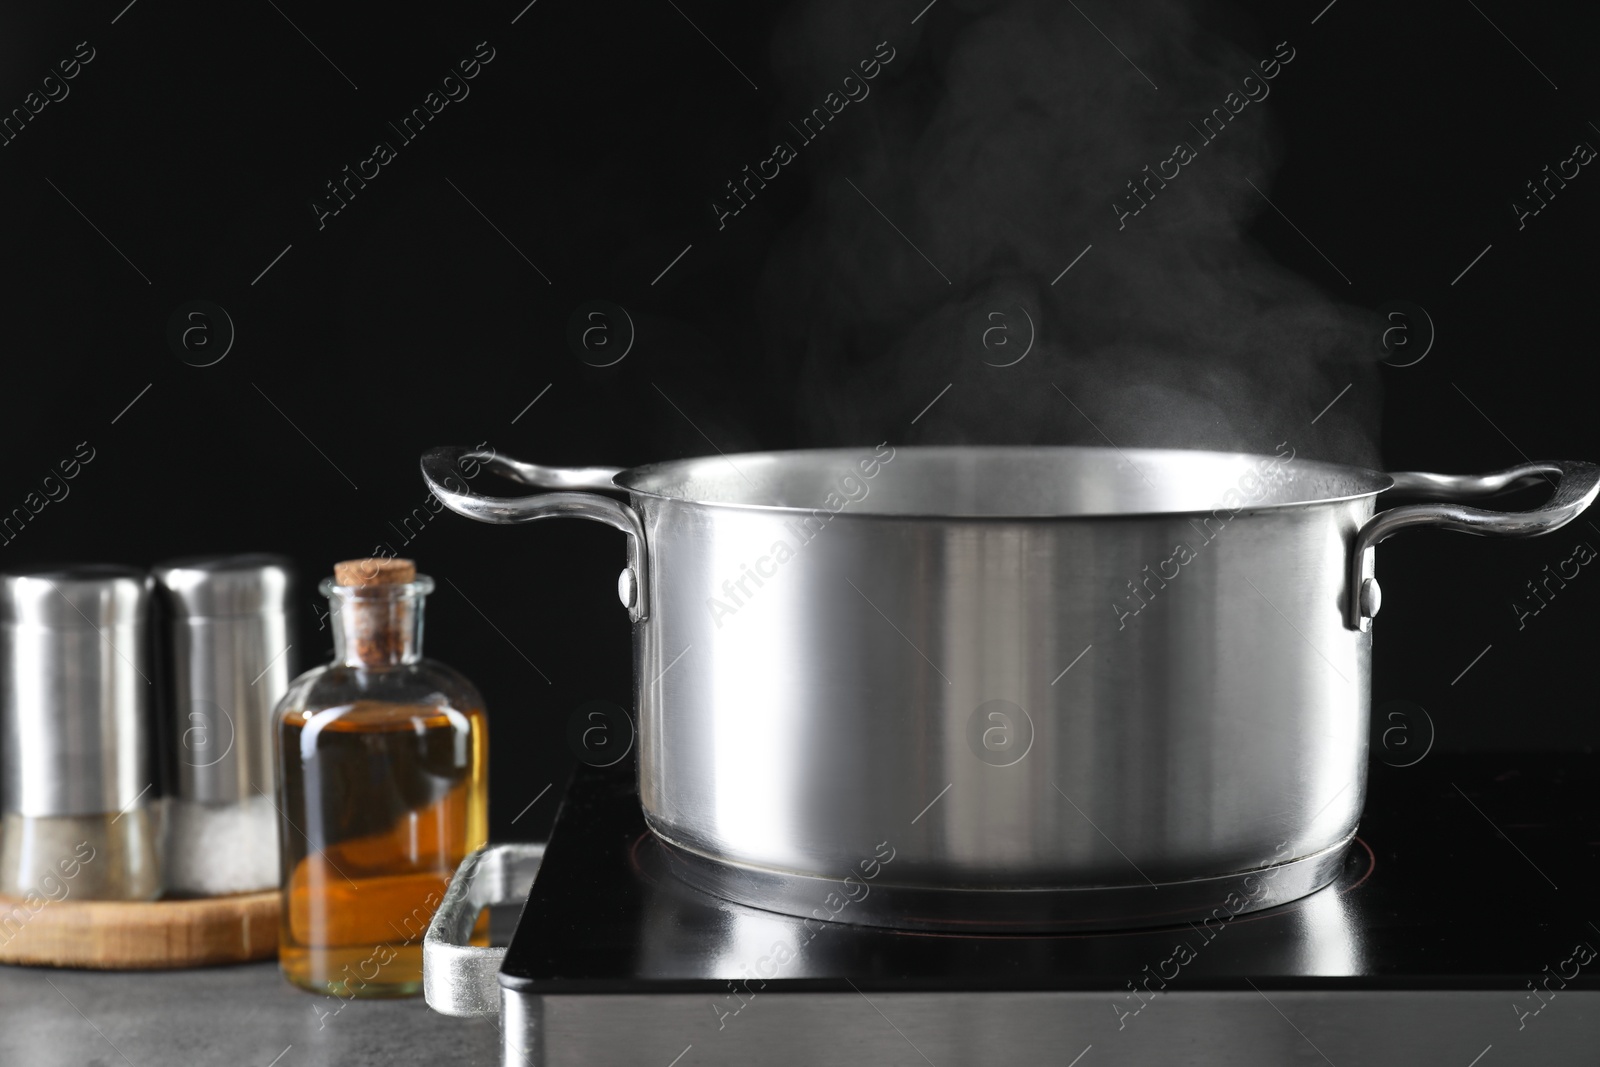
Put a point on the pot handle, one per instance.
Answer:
(448, 468)
(1575, 489)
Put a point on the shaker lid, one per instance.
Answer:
(222, 586)
(87, 596)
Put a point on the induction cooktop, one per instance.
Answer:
(1462, 930)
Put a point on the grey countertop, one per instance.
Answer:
(244, 1016)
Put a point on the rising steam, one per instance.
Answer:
(1000, 141)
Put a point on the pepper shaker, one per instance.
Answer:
(75, 780)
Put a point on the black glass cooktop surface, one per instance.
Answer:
(1469, 872)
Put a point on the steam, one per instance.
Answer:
(998, 141)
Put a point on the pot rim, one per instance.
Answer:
(662, 480)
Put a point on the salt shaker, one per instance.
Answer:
(227, 653)
(75, 778)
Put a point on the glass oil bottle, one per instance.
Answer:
(383, 789)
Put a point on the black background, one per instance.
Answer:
(196, 139)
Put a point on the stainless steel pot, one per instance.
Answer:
(999, 687)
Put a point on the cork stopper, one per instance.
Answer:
(374, 572)
(379, 612)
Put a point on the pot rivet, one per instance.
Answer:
(627, 588)
(1371, 597)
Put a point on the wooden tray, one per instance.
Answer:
(119, 935)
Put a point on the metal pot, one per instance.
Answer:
(1002, 687)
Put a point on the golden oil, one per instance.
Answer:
(383, 789)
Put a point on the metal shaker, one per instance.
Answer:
(227, 656)
(75, 777)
